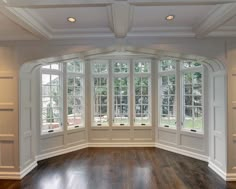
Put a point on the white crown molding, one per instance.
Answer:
(86, 3)
(225, 31)
(22, 18)
(216, 18)
(162, 32)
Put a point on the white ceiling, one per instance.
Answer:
(35, 20)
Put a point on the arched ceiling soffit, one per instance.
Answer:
(212, 64)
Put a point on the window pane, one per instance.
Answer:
(120, 66)
(100, 67)
(142, 66)
(167, 65)
(100, 99)
(190, 64)
(51, 105)
(168, 100)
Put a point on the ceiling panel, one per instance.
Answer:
(11, 31)
(155, 16)
(87, 17)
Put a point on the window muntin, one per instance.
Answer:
(100, 92)
(121, 100)
(167, 65)
(120, 105)
(168, 101)
(75, 94)
(51, 100)
(100, 100)
(74, 66)
(167, 93)
(142, 91)
(193, 100)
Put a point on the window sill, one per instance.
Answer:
(56, 132)
(74, 129)
(122, 127)
(187, 131)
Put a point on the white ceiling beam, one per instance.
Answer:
(23, 19)
(177, 2)
(120, 16)
(216, 18)
(56, 3)
(97, 3)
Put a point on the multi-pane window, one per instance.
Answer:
(100, 93)
(120, 92)
(142, 91)
(168, 100)
(51, 98)
(192, 96)
(75, 94)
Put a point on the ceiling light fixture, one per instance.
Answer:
(170, 17)
(71, 19)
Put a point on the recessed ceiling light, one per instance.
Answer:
(170, 17)
(71, 19)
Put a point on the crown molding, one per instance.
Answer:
(22, 18)
(161, 32)
(86, 3)
(216, 18)
(225, 31)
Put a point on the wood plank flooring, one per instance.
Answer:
(120, 168)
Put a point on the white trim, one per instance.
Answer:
(218, 171)
(61, 151)
(146, 144)
(28, 169)
(182, 152)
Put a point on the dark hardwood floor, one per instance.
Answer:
(120, 168)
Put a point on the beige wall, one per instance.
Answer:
(9, 156)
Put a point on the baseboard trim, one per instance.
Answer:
(217, 170)
(182, 152)
(61, 151)
(231, 177)
(104, 145)
(29, 168)
(10, 175)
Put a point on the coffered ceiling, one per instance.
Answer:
(47, 20)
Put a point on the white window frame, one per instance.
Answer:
(99, 75)
(59, 72)
(182, 100)
(121, 75)
(160, 75)
(82, 78)
(149, 76)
